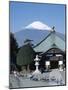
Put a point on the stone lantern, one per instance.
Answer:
(60, 62)
(61, 65)
(36, 65)
(47, 63)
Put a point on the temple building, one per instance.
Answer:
(52, 50)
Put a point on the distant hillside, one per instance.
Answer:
(33, 34)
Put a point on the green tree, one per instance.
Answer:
(25, 55)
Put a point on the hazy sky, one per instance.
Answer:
(22, 14)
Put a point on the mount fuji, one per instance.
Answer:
(35, 31)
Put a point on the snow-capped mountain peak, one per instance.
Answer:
(38, 25)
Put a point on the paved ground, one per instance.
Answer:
(16, 82)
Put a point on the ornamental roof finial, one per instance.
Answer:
(53, 28)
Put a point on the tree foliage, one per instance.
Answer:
(25, 55)
(13, 48)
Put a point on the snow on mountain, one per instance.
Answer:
(35, 31)
(38, 25)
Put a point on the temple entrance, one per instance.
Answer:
(54, 55)
(53, 64)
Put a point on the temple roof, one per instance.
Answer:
(52, 40)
